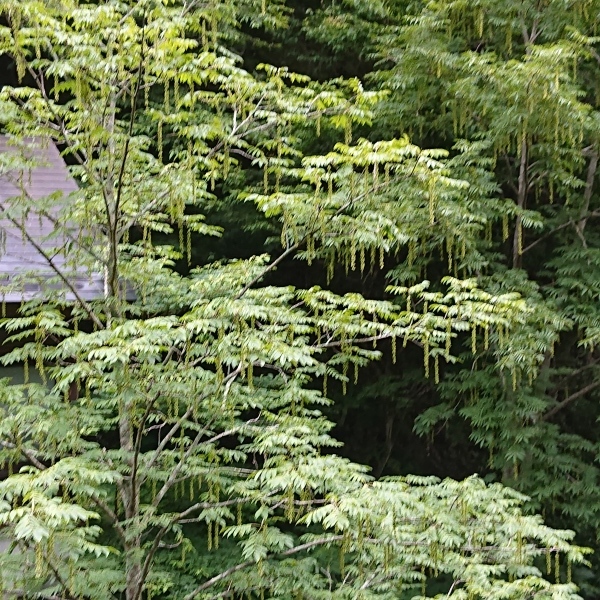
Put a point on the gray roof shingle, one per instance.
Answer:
(19, 255)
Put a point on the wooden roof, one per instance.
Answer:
(20, 254)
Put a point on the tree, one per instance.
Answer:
(509, 88)
(194, 461)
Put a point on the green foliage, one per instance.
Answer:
(509, 89)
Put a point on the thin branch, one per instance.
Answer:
(83, 303)
(364, 340)
(582, 392)
(110, 514)
(139, 437)
(594, 213)
(50, 217)
(299, 243)
(547, 235)
(249, 563)
(156, 544)
(131, 122)
(176, 427)
(454, 584)
(60, 123)
(135, 218)
(177, 468)
(30, 455)
(271, 266)
(148, 467)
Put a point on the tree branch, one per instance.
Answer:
(582, 392)
(299, 243)
(249, 563)
(83, 303)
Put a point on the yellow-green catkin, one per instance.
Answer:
(426, 356)
(167, 96)
(504, 227)
(342, 553)
(214, 33)
(557, 567)
(431, 203)
(160, 140)
(176, 97)
(394, 349)
(39, 560)
(289, 509)
(474, 339)
(266, 179)
(210, 535)
(509, 39)
(455, 119)
(412, 250)
(348, 132)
